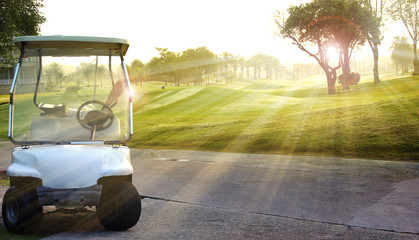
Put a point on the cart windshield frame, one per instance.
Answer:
(70, 46)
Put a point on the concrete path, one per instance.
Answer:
(356, 192)
(207, 195)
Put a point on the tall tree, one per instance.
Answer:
(402, 54)
(198, 63)
(226, 59)
(137, 71)
(318, 25)
(17, 18)
(374, 36)
(271, 66)
(256, 62)
(166, 66)
(234, 63)
(241, 61)
(87, 71)
(407, 11)
(54, 73)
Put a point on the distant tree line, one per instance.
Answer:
(55, 76)
(200, 66)
(401, 55)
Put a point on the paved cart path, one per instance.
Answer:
(206, 195)
(365, 193)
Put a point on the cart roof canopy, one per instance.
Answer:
(59, 45)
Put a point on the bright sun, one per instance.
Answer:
(332, 54)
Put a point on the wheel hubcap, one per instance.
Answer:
(12, 211)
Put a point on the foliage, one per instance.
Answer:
(402, 53)
(198, 62)
(374, 36)
(269, 63)
(137, 71)
(88, 71)
(165, 66)
(407, 11)
(199, 65)
(54, 73)
(17, 18)
(73, 89)
(327, 23)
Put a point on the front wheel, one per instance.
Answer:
(119, 206)
(21, 211)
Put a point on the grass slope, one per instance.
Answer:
(370, 121)
(282, 117)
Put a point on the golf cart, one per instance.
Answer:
(71, 116)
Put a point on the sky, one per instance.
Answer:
(240, 27)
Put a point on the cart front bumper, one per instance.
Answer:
(69, 197)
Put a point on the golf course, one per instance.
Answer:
(372, 121)
(283, 117)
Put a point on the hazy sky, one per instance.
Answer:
(241, 27)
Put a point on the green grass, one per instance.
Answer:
(298, 118)
(5, 182)
(374, 121)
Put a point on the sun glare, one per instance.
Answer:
(332, 54)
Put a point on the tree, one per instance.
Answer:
(197, 63)
(226, 59)
(374, 36)
(407, 11)
(165, 67)
(86, 70)
(256, 62)
(17, 18)
(241, 61)
(100, 72)
(271, 66)
(402, 54)
(316, 26)
(234, 63)
(55, 74)
(137, 71)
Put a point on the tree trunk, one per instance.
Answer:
(415, 60)
(331, 81)
(375, 53)
(331, 84)
(346, 70)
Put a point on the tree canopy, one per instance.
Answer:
(407, 11)
(318, 25)
(200, 65)
(17, 18)
(402, 54)
(374, 36)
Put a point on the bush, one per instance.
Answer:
(73, 89)
(353, 78)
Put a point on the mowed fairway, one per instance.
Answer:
(283, 117)
(279, 117)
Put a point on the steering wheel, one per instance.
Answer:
(96, 120)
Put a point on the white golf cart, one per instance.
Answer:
(71, 116)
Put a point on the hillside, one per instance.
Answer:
(370, 121)
(278, 117)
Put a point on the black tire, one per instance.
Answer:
(21, 211)
(119, 206)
